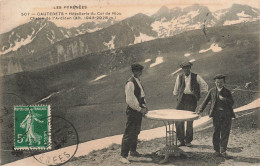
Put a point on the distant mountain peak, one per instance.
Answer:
(140, 15)
(176, 8)
(163, 10)
(235, 5)
(238, 7)
(196, 7)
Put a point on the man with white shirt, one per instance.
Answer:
(188, 87)
(222, 113)
(136, 109)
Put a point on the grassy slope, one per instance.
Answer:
(97, 108)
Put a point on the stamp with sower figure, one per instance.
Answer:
(31, 127)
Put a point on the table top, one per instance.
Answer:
(171, 115)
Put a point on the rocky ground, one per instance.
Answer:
(243, 148)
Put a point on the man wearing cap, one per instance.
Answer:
(222, 113)
(188, 87)
(136, 109)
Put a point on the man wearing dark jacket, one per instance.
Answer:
(136, 108)
(188, 88)
(222, 113)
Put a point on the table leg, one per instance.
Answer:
(170, 148)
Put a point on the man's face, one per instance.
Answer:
(186, 70)
(219, 83)
(137, 73)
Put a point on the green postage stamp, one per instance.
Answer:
(32, 127)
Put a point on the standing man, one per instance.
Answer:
(136, 109)
(188, 87)
(222, 112)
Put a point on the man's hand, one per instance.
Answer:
(199, 113)
(144, 111)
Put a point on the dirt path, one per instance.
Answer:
(244, 148)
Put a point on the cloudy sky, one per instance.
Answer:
(11, 10)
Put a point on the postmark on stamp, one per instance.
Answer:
(64, 144)
(31, 127)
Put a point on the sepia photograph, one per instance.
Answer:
(145, 83)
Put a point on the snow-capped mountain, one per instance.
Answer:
(237, 14)
(44, 41)
(36, 35)
(178, 20)
(169, 22)
(87, 27)
(30, 37)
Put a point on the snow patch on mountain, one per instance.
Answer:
(147, 60)
(52, 31)
(214, 47)
(161, 28)
(176, 25)
(183, 23)
(23, 41)
(94, 29)
(99, 78)
(183, 19)
(193, 14)
(255, 11)
(110, 44)
(240, 20)
(158, 61)
(242, 14)
(242, 17)
(192, 60)
(64, 33)
(218, 14)
(163, 19)
(18, 44)
(195, 26)
(187, 54)
(51, 37)
(143, 37)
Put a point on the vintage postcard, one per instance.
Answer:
(110, 82)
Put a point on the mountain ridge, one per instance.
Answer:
(53, 47)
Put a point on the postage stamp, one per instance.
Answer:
(32, 128)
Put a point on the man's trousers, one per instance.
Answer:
(189, 103)
(133, 127)
(222, 125)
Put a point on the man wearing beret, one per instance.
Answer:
(136, 109)
(188, 87)
(222, 113)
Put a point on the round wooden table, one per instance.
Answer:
(169, 117)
